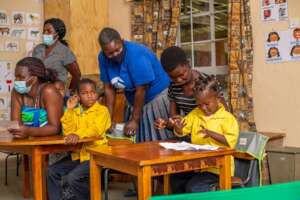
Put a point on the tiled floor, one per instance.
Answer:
(14, 189)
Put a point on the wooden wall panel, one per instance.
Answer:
(88, 18)
(58, 9)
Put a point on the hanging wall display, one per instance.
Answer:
(19, 33)
(281, 46)
(21, 25)
(274, 10)
(4, 19)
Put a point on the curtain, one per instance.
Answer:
(155, 22)
(240, 63)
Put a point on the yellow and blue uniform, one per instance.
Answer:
(94, 121)
(221, 122)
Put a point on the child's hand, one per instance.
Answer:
(177, 123)
(160, 123)
(72, 102)
(177, 119)
(71, 139)
(203, 132)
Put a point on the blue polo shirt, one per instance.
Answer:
(140, 66)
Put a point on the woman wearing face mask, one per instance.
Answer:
(55, 53)
(35, 103)
(136, 69)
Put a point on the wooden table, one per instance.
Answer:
(38, 148)
(147, 160)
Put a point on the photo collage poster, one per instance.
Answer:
(274, 10)
(20, 31)
(282, 46)
(19, 26)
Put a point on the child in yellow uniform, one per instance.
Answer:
(210, 124)
(86, 120)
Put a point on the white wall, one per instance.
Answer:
(276, 87)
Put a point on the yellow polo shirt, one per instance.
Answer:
(94, 121)
(221, 122)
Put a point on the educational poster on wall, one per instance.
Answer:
(29, 46)
(21, 26)
(4, 19)
(4, 101)
(18, 33)
(4, 31)
(274, 10)
(12, 46)
(6, 76)
(18, 18)
(33, 18)
(34, 34)
(282, 46)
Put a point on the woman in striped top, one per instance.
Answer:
(180, 93)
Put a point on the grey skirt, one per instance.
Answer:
(157, 108)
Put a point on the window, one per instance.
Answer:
(203, 35)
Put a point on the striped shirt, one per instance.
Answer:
(184, 104)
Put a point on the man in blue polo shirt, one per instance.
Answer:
(136, 69)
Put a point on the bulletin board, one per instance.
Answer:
(21, 23)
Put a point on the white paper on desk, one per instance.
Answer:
(181, 146)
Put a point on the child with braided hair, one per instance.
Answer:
(209, 123)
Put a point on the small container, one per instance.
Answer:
(118, 131)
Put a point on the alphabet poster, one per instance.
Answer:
(274, 10)
(282, 46)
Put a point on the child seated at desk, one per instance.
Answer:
(86, 120)
(210, 124)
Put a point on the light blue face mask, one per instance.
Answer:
(48, 40)
(21, 87)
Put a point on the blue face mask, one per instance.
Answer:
(21, 87)
(48, 40)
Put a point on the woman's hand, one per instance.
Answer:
(130, 128)
(72, 102)
(71, 139)
(20, 132)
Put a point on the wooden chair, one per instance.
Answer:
(248, 143)
(237, 181)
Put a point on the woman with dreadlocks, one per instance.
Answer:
(56, 54)
(34, 100)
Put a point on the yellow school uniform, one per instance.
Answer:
(221, 122)
(86, 123)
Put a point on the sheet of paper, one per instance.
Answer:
(12, 46)
(4, 18)
(181, 146)
(19, 33)
(34, 34)
(18, 18)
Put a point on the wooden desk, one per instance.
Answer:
(37, 148)
(146, 160)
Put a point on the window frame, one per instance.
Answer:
(214, 68)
